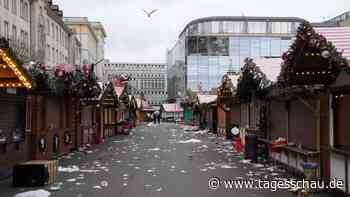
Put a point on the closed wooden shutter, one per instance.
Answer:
(341, 119)
(302, 125)
(13, 117)
(278, 120)
(235, 114)
(8, 118)
(53, 113)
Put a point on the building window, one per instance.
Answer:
(257, 27)
(53, 30)
(48, 27)
(57, 57)
(53, 56)
(26, 40)
(281, 27)
(48, 54)
(6, 29)
(14, 7)
(22, 38)
(26, 11)
(233, 27)
(14, 33)
(6, 4)
(21, 8)
(57, 35)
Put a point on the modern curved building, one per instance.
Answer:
(209, 47)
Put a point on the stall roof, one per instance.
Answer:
(12, 75)
(339, 36)
(271, 67)
(172, 107)
(206, 99)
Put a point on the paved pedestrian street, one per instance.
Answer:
(155, 160)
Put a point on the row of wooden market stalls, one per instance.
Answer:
(45, 113)
(300, 103)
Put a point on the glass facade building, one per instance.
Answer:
(210, 47)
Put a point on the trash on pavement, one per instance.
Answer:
(189, 141)
(36, 193)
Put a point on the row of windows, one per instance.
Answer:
(148, 84)
(237, 46)
(55, 31)
(20, 38)
(340, 18)
(148, 92)
(54, 56)
(135, 65)
(23, 8)
(216, 27)
(137, 75)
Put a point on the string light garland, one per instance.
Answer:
(311, 59)
(17, 72)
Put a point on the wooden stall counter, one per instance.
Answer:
(292, 157)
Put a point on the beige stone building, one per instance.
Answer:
(15, 25)
(92, 38)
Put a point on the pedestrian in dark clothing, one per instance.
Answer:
(154, 116)
(159, 117)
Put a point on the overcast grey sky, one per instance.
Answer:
(134, 37)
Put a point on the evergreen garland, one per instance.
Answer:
(252, 82)
(308, 40)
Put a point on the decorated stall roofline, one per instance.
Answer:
(12, 62)
(308, 46)
(59, 81)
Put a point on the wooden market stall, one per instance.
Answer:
(15, 82)
(228, 107)
(298, 104)
(207, 110)
(87, 91)
(55, 107)
(142, 113)
(123, 114)
(108, 105)
(188, 112)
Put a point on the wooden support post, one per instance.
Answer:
(318, 124)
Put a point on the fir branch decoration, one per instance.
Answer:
(252, 82)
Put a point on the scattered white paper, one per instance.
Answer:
(189, 141)
(36, 193)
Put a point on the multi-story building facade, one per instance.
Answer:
(342, 20)
(147, 79)
(92, 36)
(15, 25)
(209, 47)
(50, 37)
(100, 52)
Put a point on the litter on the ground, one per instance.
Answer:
(36, 193)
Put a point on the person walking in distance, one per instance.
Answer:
(159, 117)
(154, 116)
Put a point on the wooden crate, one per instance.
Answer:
(51, 166)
